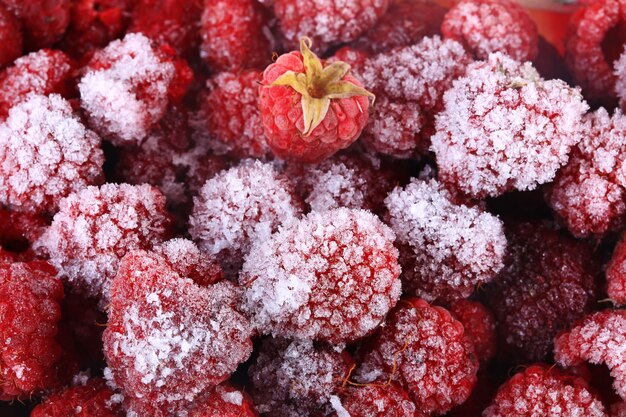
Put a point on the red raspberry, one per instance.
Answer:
(43, 72)
(296, 378)
(10, 37)
(487, 26)
(599, 338)
(618, 409)
(170, 340)
(96, 227)
(378, 399)
(620, 80)
(45, 154)
(616, 274)
(225, 401)
(169, 22)
(543, 391)
(426, 351)
(404, 24)
(589, 193)
(330, 276)
(235, 35)
(593, 43)
(239, 207)
(91, 399)
(44, 22)
(128, 85)
(480, 327)
(229, 115)
(184, 257)
(505, 128)
(446, 249)
(311, 110)
(32, 358)
(327, 22)
(547, 283)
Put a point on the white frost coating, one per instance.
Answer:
(335, 402)
(504, 128)
(109, 94)
(232, 397)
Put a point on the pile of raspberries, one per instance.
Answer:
(312, 208)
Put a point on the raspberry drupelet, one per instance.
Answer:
(426, 351)
(311, 109)
(378, 399)
(616, 274)
(480, 327)
(45, 154)
(504, 128)
(599, 338)
(96, 227)
(128, 85)
(487, 26)
(170, 341)
(10, 37)
(224, 401)
(589, 192)
(44, 22)
(296, 378)
(540, 390)
(548, 282)
(331, 276)
(446, 249)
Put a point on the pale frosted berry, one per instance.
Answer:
(480, 327)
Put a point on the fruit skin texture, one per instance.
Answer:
(225, 401)
(616, 274)
(378, 399)
(540, 391)
(10, 37)
(480, 326)
(44, 22)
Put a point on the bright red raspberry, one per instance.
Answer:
(599, 338)
(91, 399)
(10, 37)
(404, 24)
(43, 72)
(46, 154)
(229, 119)
(487, 26)
(296, 378)
(378, 399)
(616, 274)
(480, 327)
(594, 41)
(44, 22)
(337, 268)
(589, 193)
(96, 227)
(235, 35)
(225, 401)
(128, 85)
(311, 110)
(32, 358)
(505, 128)
(426, 351)
(170, 340)
(446, 249)
(548, 282)
(540, 391)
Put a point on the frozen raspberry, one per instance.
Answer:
(43, 72)
(543, 391)
(378, 399)
(599, 338)
(46, 154)
(618, 409)
(331, 276)
(169, 22)
(235, 35)
(10, 37)
(292, 379)
(229, 115)
(404, 24)
(481, 396)
(184, 257)
(589, 193)
(327, 22)
(96, 227)
(32, 358)
(487, 26)
(426, 351)
(620, 80)
(547, 283)
(446, 249)
(44, 22)
(202, 167)
(616, 274)
(594, 41)
(238, 207)
(170, 340)
(311, 110)
(505, 128)
(225, 401)
(92, 399)
(480, 327)
(6, 256)
(128, 85)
